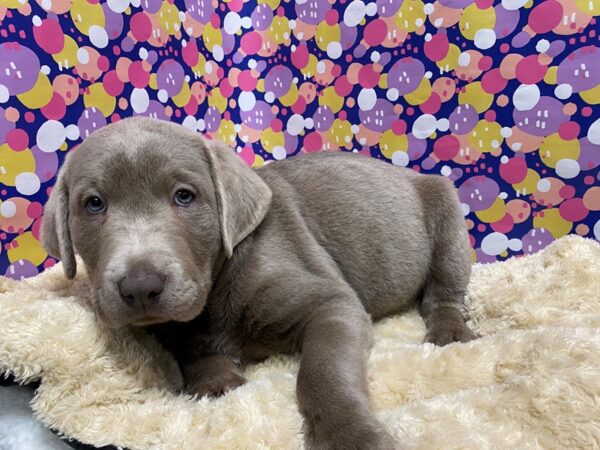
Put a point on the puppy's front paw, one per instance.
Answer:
(445, 332)
(216, 386)
(352, 437)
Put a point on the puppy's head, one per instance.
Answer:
(152, 209)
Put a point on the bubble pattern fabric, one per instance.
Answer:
(500, 96)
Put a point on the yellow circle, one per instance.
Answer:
(553, 222)
(476, 97)
(13, 163)
(99, 98)
(474, 19)
(554, 148)
(39, 95)
(29, 248)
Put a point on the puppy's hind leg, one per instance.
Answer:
(443, 295)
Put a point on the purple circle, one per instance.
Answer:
(170, 77)
(5, 126)
(463, 119)
(428, 163)
(536, 239)
(152, 57)
(543, 119)
(156, 110)
(91, 119)
(589, 158)
(580, 69)
(19, 67)
(228, 43)
(323, 118)
(291, 143)
(359, 51)
(521, 39)
(262, 16)
(387, 8)
(151, 6)
(312, 12)
(556, 48)
(46, 164)
(347, 36)
(406, 75)
(278, 80)
(380, 117)
(259, 117)
(212, 119)
(21, 269)
(127, 44)
(479, 192)
(200, 10)
(506, 21)
(482, 258)
(113, 22)
(456, 4)
(416, 147)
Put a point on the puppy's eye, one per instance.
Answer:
(183, 197)
(95, 205)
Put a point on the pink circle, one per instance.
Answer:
(514, 171)
(190, 53)
(530, 71)
(313, 142)
(137, 75)
(247, 155)
(56, 107)
(103, 63)
(236, 5)
(485, 63)
(504, 225)
(300, 106)
(332, 17)
(251, 43)
(49, 263)
(399, 127)
(586, 111)
(342, 86)
(375, 31)
(17, 139)
(490, 115)
(573, 210)
(246, 81)
(437, 48)
(112, 84)
(367, 77)
(276, 125)
(446, 147)
(191, 108)
(35, 210)
(49, 36)
(226, 88)
(569, 130)
(432, 105)
(300, 57)
(29, 117)
(492, 81)
(215, 21)
(141, 26)
(545, 16)
(567, 191)
(484, 4)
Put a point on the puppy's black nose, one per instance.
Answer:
(141, 286)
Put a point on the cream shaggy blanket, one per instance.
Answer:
(531, 381)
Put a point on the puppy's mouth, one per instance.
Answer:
(148, 321)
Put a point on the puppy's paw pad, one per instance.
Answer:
(441, 335)
(217, 386)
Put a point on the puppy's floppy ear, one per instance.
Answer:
(243, 198)
(55, 234)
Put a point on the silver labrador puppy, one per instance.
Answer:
(228, 265)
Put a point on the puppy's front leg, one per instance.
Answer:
(332, 383)
(212, 375)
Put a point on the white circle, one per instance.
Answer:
(515, 245)
(181, 16)
(246, 101)
(567, 168)
(593, 133)
(544, 185)
(36, 20)
(4, 95)
(45, 69)
(201, 125)
(354, 129)
(143, 54)
(428, 8)
(139, 100)
(190, 122)
(162, 96)
(246, 22)
(504, 159)
(354, 13)
(279, 153)
(424, 126)
(446, 171)
(50, 136)
(428, 75)
(485, 38)
(428, 37)
(321, 67)
(309, 123)
(334, 50)
(526, 96)
(295, 125)
(232, 23)
(83, 56)
(367, 99)
(218, 53)
(419, 22)
(208, 67)
(503, 195)
(98, 36)
(118, 6)
(400, 159)
(443, 125)
(269, 97)
(72, 132)
(597, 230)
(27, 183)
(252, 64)
(542, 46)
(495, 144)
(371, 9)
(8, 209)
(512, 5)
(464, 59)
(494, 243)
(506, 132)
(375, 56)
(466, 209)
(292, 24)
(563, 91)
(392, 94)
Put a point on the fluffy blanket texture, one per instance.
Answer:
(531, 381)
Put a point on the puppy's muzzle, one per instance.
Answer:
(142, 286)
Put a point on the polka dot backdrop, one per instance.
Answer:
(500, 96)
